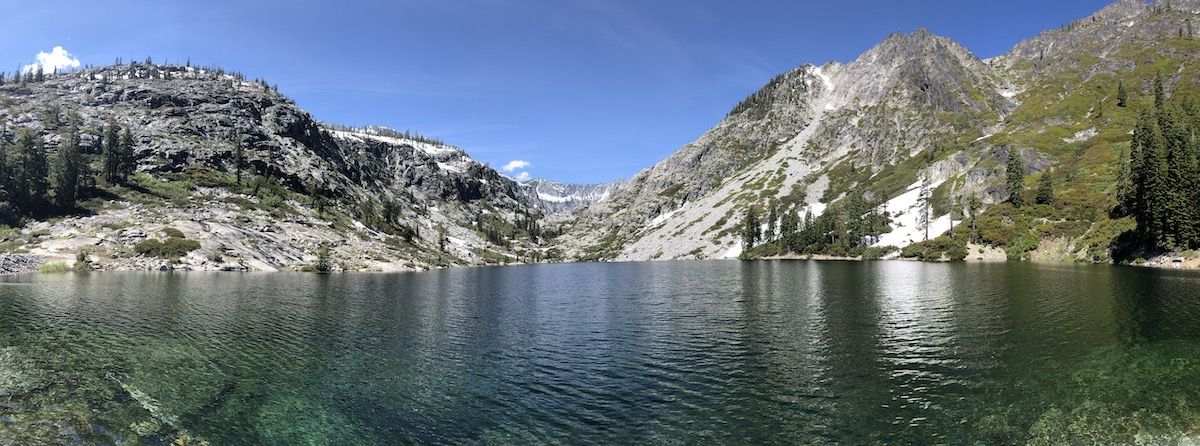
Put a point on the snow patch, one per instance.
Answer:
(828, 84)
(733, 252)
(430, 149)
(817, 208)
(906, 218)
(662, 218)
(449, 167)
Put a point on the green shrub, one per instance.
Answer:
(324, 263)
(1069, 229)
(938, 249)
(877, 252)
(1019, 247)
(1100, 239)
(172, 248)
(172, 233)
(82, 263)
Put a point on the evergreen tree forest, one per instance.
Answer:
(847, 228)
(1159, 183)
(38, 183)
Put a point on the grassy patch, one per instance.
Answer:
(54, 267)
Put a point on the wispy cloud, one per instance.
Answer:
(631, 31)
(523, 176)
(515, 165)
(57, 59)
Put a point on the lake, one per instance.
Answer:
(787, 352)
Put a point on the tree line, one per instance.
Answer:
(845, 228)
(1159, 178)
(36, 183)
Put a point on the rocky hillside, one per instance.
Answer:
(801, 141)
(380, 200)
(915, 129)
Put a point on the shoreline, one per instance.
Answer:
(16, 263)
(1173, 262)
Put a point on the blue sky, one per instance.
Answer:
(582, 90)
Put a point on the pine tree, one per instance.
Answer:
(925, 202)
(1179, 216)
(17, 182)
(772, 222)
(790, 223)
(67, 171)
(1149, 179)
(36, 169)
(112, 152)
(1122, 95)
(973, 206)
(128, 162)
(751, 228)
(39, 73)
(1, 78)
(1160, 95)
(1045, 193)
(1124, 185)
(1015, 174)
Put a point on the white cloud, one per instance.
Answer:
(515, 165)
(523, 176)
(57, 59)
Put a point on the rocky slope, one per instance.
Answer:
(917, 113)
(916, 109)
(382, 201)
(783, 142)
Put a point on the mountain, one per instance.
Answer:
(917, 125)
(554, 197)
(916, 148)
(382, 200)
(787, 143)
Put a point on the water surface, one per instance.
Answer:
(629, 353)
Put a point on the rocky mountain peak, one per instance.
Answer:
(920, 67)
(899, 47)
(1101, 34)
